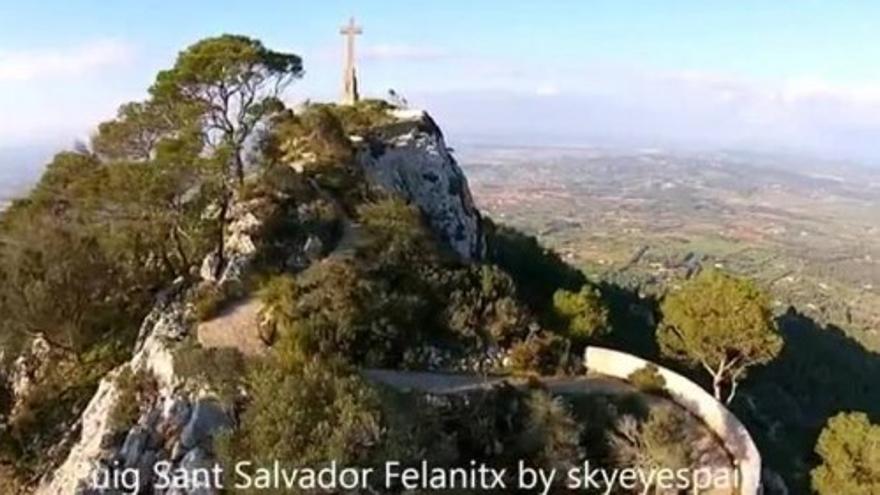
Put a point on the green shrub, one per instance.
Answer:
(583, 314)
(316, 142)
(849, 447)
(278, 296)
(542, 353)
(342, 311)
(482, 305)
(306, 415)
(207, 301)
(551, 437)
(504, 425)
(222, 369)
(11, 480)
(6, 398)
(659, 442)
(320, 217)
(9, 450)
(288, 219)
(364, 116)
(486, 424)
(408, 436)
(50, 409)
(136, 390)
(395, 233)
(648, 379)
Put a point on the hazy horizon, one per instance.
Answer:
(791, 78)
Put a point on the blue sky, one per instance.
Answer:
(794, 75)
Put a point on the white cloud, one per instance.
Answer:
(394, 51)
(547, 89)
(791, 90)
(675, 107)
(817, 89)
(27, 65)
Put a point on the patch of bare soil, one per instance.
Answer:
(238, 326)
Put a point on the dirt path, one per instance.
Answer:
(237, 326)
(454, 383)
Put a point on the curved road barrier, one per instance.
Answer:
(695, 399)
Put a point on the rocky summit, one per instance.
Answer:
(412, 159)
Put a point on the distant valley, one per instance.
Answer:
(808, 231)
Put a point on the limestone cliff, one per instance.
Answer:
(411, 158)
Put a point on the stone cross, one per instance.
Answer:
(349, 77)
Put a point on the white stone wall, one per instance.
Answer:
(695, 399)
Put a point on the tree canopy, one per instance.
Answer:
(235, 82)
(538, 271)
(850, 450)
(112, 223)
(306, 415)
(583, 313)
(720, 323)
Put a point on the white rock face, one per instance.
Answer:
(85, 456)
(411, 159)
(176, 424)
(239, 248)
(157, 433)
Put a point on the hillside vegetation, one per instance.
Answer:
(348, 276)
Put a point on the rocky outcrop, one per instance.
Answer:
(181, 418)
(238, 246)
(175, 426)
(410, 158)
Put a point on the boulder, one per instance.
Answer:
(206, 419)
(30, 367)
(210, 267)
(134, 446)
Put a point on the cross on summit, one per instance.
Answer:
(349, 75)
